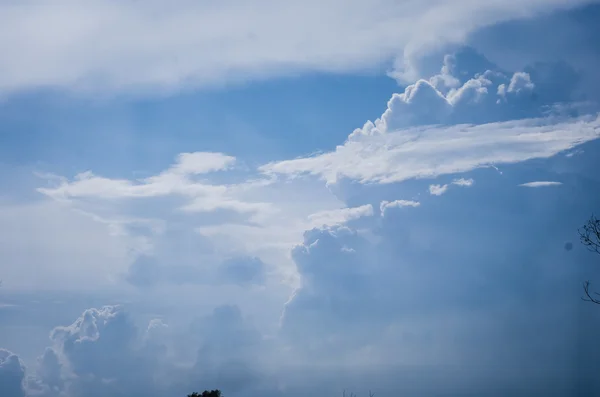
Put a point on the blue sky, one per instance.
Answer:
(298, 197)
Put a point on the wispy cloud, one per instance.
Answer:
(541, 184)
(177, 180)
(438, 190)
(428, 152)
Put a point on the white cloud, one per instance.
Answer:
(428, 152)
(177, 180)
(518, 83)
(463, 182)
(540, 184)
(339, 216)
(438, 190)
(397, 204)
(116, 45)
(438, 127)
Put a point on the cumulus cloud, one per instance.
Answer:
(50, 371)
(197, 50)
(12, 374)
(541, 184)
(519, 82)
(102, 353)
(437, 190)
(98, 343)
(358, 290)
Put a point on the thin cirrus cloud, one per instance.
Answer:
(167, 45)
(541, 184)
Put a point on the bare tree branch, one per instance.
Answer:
(589, 234)
(588, 296)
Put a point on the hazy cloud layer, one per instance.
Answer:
(203, 44)
(283, 278)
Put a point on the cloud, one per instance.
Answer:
(50, 370)
(241, 219)
(559, 43)
(97, 343)
(471, 89)
(429, 152)
(463, 182)
(339, 216)
(541, 184)
(422, 133)
(438, 190)
(204, 44)
(12, 374)
(408, 292)
(174, 180)
(102, 353)
(397, 204)
(177, 180)
(520, 82)
(415, 287)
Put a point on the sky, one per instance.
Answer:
(291, 198)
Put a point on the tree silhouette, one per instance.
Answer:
(206, 393)
(589, 235)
